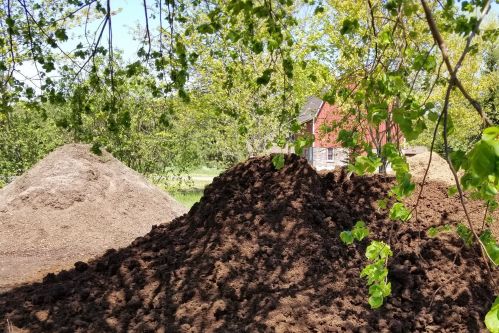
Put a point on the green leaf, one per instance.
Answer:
(318, 10)
(489, 190)
(257, 46)
(457, 158)
(491, 133)
(60, 34)
(377, 273)
(360, 231)
(346, 237)
(392, 6)
(375, 301)
(349, 26)
(365, 164)
(10, 22)
(387, 288)
(30, 92)
(432, 232)
(48, 66)
(384, 38)
(278, 161)
(302, 142)
(376, 113)
(287, 65)
(348, 139)
(424, 61)
(405, 186)
(205, 28)
(399, 212)
(378, 250)
(264, 79)
(483, 159)
(493, 204)
(261, 11)
(452, 190)
(492, 317)
(465, 234)
(382, 203)
(432, 116)
(490, 245)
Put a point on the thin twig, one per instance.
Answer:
(110, 46)
(485, 216)
(11, 46)
(160, 28)
(148, 34)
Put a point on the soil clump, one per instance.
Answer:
(261, 253)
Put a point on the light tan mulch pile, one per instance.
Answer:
(439, 169)
(73, 205)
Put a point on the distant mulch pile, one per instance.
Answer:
(439, 169)
(71, 206)
(261, 253)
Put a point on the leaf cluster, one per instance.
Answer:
(358, 233)
(376, 273)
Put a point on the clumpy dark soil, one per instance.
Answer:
(261, 253)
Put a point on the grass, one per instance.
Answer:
(187, 197)
(190, 192)
(205, 171)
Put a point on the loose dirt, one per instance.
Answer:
(261, 253)
(71, 206)
(439, 169)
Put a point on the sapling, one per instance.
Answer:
(376, 273)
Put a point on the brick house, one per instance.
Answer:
(326, 153)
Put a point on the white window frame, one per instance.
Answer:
(327, 155)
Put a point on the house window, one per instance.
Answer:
(330, 154)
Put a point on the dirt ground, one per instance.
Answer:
(71, 206)
(261, 253)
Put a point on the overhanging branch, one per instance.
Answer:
(437, 36)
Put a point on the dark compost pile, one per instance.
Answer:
(261, 253)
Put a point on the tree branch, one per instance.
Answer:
(445, 55)
(148, 34)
